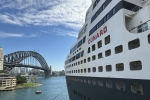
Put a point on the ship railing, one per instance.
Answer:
(136, 8)
(142, 27)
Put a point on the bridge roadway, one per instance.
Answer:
(22, 65)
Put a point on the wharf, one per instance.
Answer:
(10, 89)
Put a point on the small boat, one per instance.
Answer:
(38, 91)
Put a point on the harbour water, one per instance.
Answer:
(53, 88)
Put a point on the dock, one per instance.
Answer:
(10, 89)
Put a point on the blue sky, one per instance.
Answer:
(50, 26)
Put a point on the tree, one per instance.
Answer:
(21, 79)
(3, 71)
(33, 79)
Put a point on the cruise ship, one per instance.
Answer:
(111, 57)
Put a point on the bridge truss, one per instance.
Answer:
(15, 60)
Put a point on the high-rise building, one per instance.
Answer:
(1, 58)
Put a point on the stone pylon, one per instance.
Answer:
(50, 70)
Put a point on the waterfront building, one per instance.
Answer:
(62, 72)
(6, 81)
(1, 58)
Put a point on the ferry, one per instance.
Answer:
(111, 57)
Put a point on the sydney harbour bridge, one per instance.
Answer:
(29, 59)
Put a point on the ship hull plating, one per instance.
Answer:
(78, 89)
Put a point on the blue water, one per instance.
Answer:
(53, 88)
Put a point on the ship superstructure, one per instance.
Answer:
(111, 58)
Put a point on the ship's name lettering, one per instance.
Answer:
(97, 35)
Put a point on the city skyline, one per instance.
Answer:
(47, 27)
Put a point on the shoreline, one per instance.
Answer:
(21, 86)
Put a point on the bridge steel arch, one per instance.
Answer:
(16, 58)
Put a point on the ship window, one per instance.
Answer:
(89, 59)
(120, 67)
(79, 44)
(94, 57)
(93, 47)
(120, 86)
(81, 70)
(107, 40)
(100, 23)
(94, 69)
(89, 81)
(136, 65)
(89, 70)
(108, 16)
(84, 80)
(134, 44)
(104, 19)
(74, 64)
(94, 82)
(109, 84)
(74, 91)
(99, 44)
(97, 26)
(108, 68)
(78, 79)
(118, 49)
(78, 94)
(81, 80)
(96, 14)
(81, 96)
(78, 71)
(103, 6)
(114, 11)
(100, 55)
(82, 53)
(74, 71)
(100, 68)
(81, 61)
(84, 39)
(89, 50)
(149, 38)
(80, 48)
(85, 70)
(84, 60)
(108, 53)
(100, 82)
(78, 62)
(137, 88)
(84, 97)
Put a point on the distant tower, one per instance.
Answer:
(1, 58)
(50, 70)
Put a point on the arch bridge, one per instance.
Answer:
(29, 59)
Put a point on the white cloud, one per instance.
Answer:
(61, 32)
(19, 35)
(70, 13)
